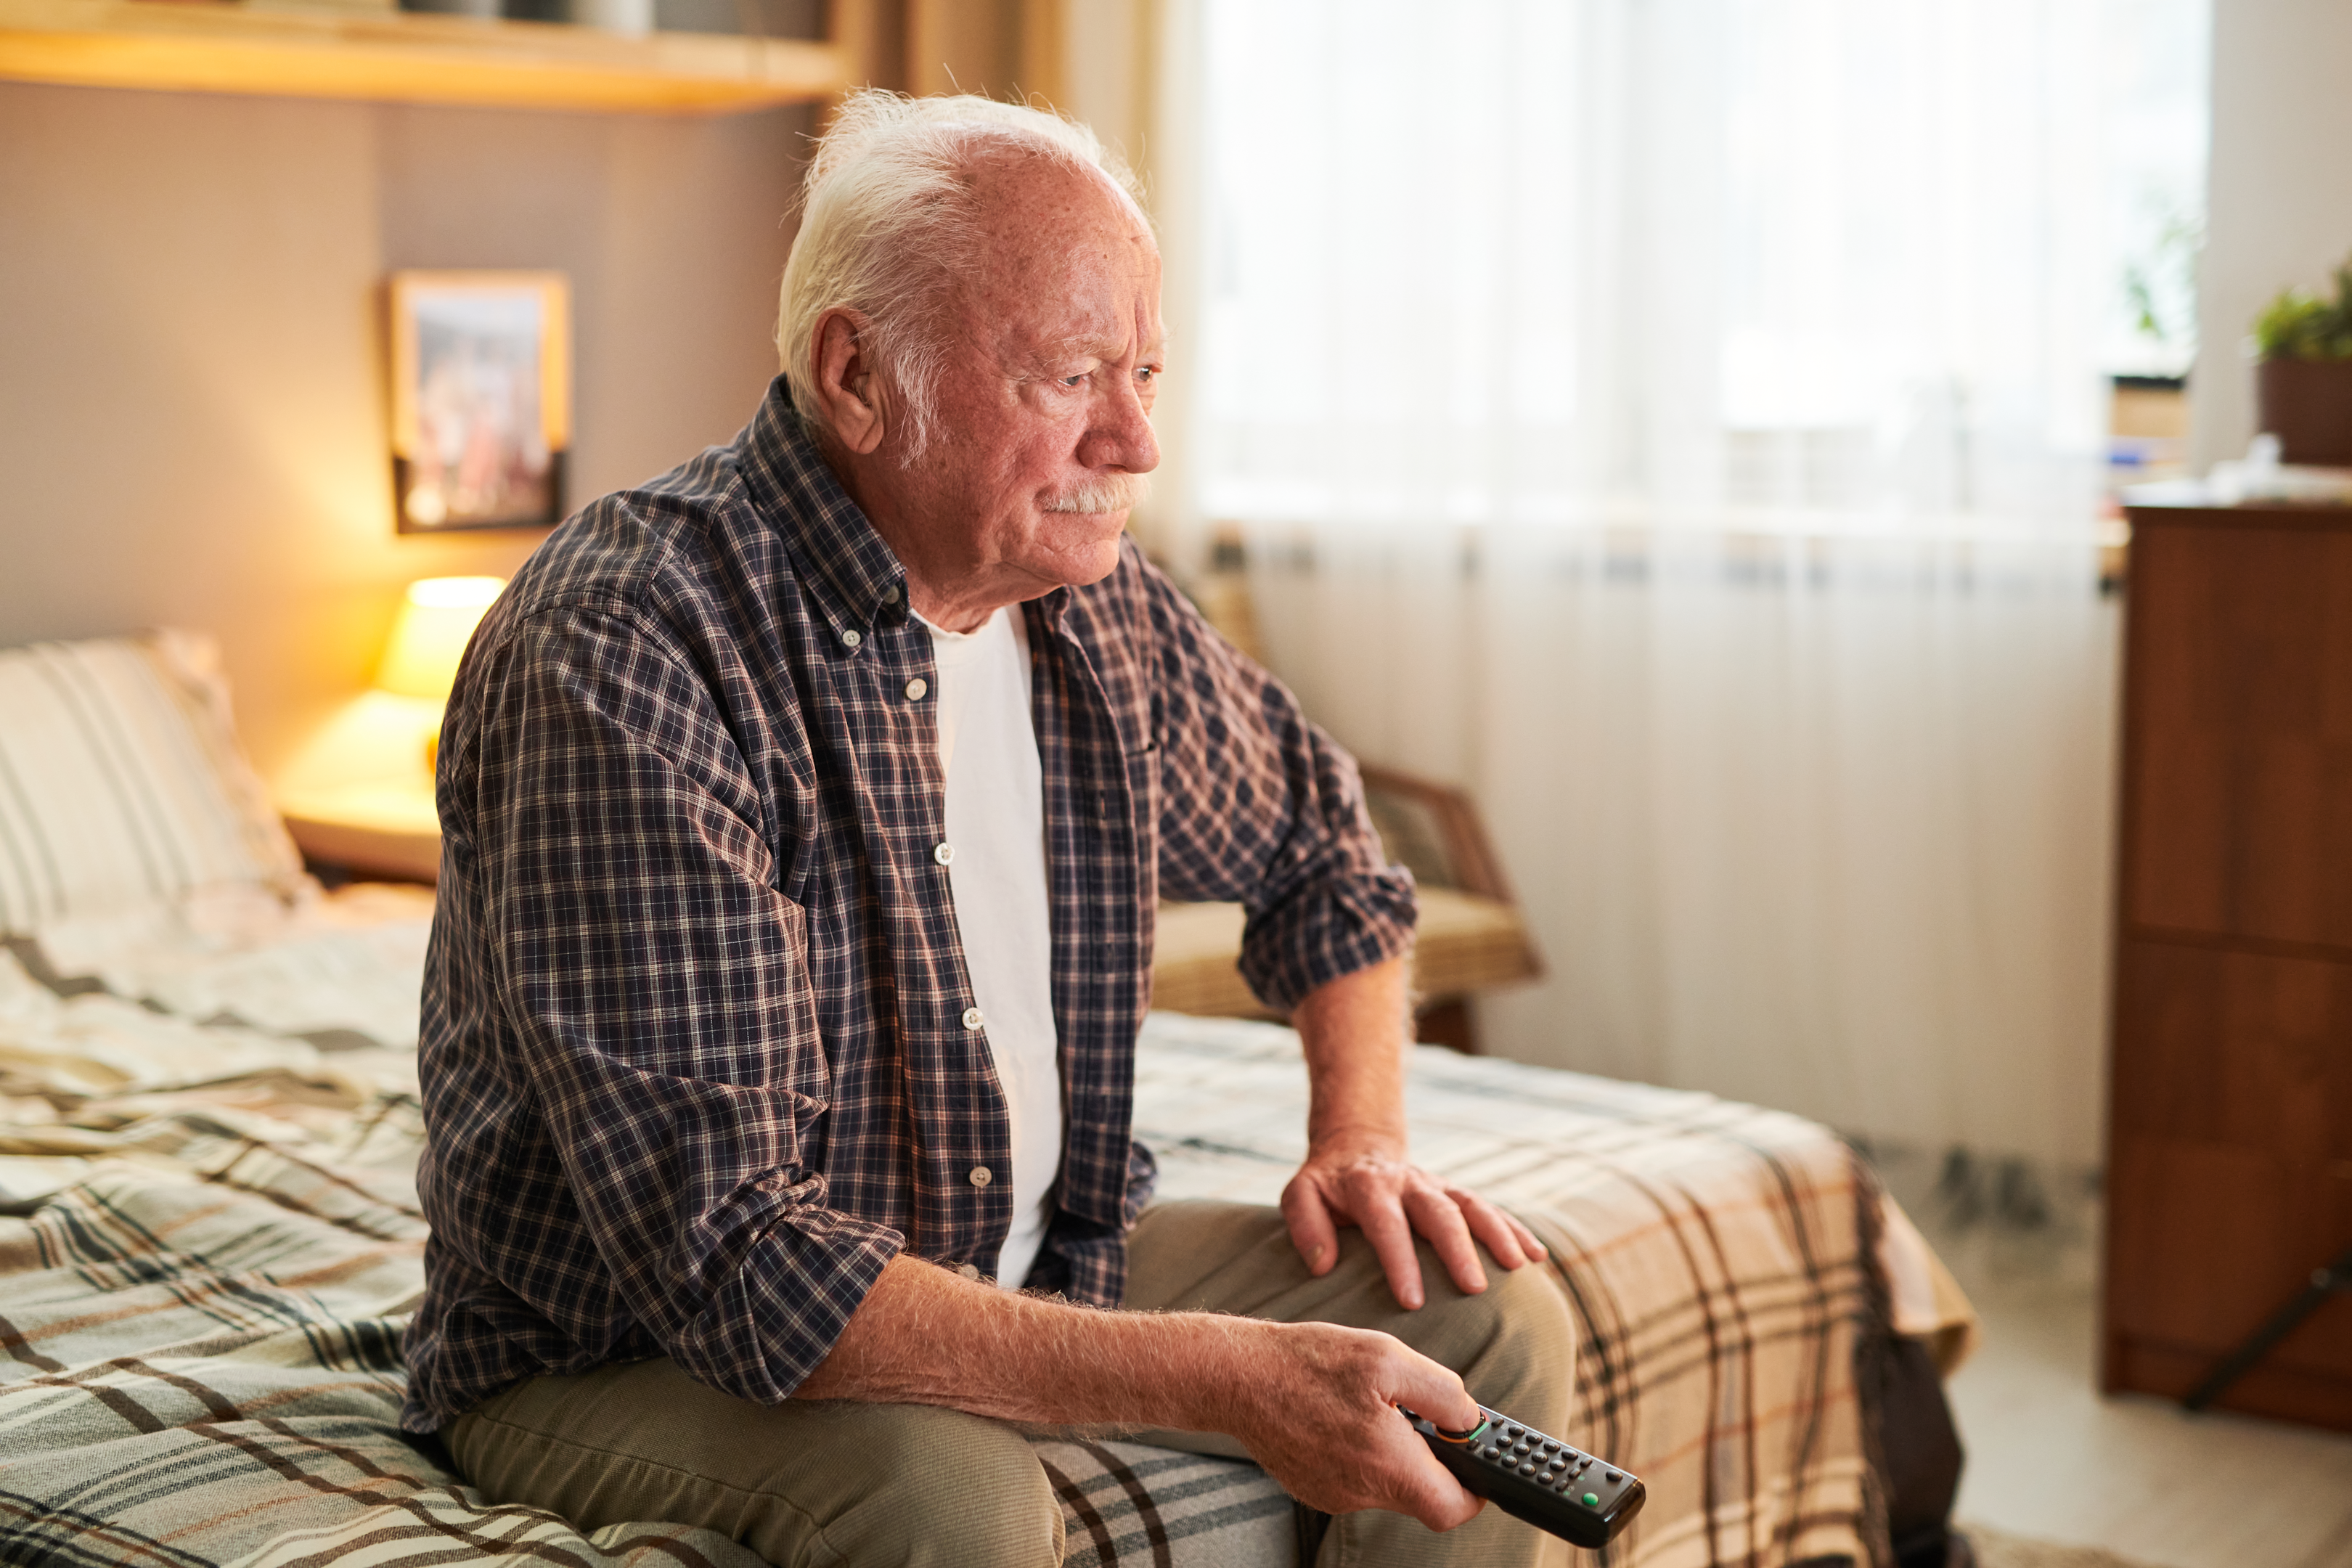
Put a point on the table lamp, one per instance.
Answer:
(437, 618)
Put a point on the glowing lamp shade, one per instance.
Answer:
(436, 619)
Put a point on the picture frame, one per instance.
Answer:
(481, 398)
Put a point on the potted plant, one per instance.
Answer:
(2303, 384)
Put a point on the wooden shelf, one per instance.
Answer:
(405, 57)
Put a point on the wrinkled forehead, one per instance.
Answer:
(1063, 254)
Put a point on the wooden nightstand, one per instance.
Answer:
(378, 830)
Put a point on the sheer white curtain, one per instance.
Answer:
(1678, 421)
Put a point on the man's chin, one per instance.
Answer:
(1088, 550)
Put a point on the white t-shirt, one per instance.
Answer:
(996, 824)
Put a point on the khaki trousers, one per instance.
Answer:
(826, 1482)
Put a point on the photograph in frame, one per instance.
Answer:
(481, 365)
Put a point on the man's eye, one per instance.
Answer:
(1078, 380)
(1147, 372)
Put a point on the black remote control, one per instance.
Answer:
(1552, 1485)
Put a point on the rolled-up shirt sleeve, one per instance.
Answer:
(1258, 805)
(652, 989)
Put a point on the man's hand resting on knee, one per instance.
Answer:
(1356, 1171)
(1314, 1403)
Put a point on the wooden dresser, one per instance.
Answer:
(2230, 1131)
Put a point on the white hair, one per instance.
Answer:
(888, 221)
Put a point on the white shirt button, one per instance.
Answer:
(916, 687)
(972, 1018)
(852, 638)
(982, 1175)
(943, 853)
(891, 595)
(969, 1270)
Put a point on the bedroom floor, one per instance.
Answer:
(2050, 1459)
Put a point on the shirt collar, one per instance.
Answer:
(795, 487)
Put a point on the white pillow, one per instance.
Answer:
(121, 783)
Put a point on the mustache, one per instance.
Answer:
(1108, 492)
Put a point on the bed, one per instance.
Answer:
(209, 1235)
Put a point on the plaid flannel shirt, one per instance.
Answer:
(698, 1054)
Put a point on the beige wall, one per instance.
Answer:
(2280, 202)
(191, 390)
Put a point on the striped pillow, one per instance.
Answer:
(121, 783)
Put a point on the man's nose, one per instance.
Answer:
(1122, 436)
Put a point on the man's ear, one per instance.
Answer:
(848, 390)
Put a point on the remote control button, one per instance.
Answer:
(1593, 1499)
(1614, 1477)
(1489, 1452)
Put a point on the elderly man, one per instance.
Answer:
(805, 811)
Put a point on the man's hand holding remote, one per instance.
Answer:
(1322, 1419)
(1313, 1403)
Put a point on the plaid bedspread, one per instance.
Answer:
(209, 1237)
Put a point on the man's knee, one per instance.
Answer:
(1514, 1342)
(1237, 1258)
(1524, 1334)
